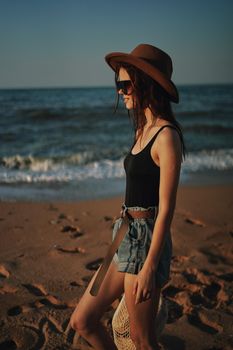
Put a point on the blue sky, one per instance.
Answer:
(63, 42)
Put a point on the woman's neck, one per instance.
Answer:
(150, 118)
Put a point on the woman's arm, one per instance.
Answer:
(168, 150)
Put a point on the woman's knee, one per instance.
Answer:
(82, 322)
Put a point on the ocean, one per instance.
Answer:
(66, 143)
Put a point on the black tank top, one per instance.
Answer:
(142, 176)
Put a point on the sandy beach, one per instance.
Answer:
(50, 250)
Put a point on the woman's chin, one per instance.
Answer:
(128, 106)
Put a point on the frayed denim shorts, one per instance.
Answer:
(134, 247)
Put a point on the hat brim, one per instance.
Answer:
(119, 57)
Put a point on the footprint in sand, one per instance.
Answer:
(216, 294)
(14, 311)
(196, 276)
(197, 299)
(35, 335)
(171, 291)
(4, 273)
(178, 262)
(76, 234)
(175, 311)
(75, 284)
(195, 222)
(94, 265)
(37, 339)
(214, 256)
(203, 321)
(108, 218)
(180, 296)
(226, 276)
(69, 228)
(205, 289)
(7, 288)
(210, 319)
(73, 250)
(211, 291)
(49, 325)
(49, 300)
(180, 259)
(74, 231)
(36, 289)
(202, 289)
(52, 323)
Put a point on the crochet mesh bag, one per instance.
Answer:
(121, 328)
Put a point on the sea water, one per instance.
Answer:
(67, 144)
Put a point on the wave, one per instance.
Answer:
(221, 159)
(29, 162)
(99, 170)
(18, 162)
(19, 169)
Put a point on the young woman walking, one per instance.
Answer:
(141, 266)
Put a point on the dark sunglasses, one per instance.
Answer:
(124, 85)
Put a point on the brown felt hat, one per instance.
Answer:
(152, 61)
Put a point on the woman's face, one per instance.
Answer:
(128, 97)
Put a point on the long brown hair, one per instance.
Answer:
(148, 94)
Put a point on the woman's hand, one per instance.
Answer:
(144, 285)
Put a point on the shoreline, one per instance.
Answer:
(49, 251)
(98, 188)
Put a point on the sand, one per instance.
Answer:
(49, 251)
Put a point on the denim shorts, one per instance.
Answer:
(135, 245)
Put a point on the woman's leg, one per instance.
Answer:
(86, 316)
(142, 316)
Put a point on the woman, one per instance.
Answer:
(142, 263)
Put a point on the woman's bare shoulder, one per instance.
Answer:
(168, 138)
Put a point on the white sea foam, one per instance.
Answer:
(98, 170)
(27, 162)
(19, 169)
(221, 159)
